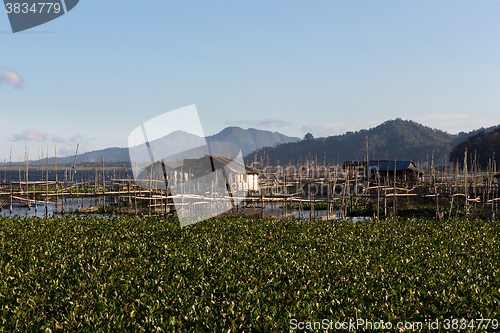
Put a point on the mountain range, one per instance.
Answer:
(247, 139)
(393, 139)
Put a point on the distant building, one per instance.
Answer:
(402, 169)
(239, 177)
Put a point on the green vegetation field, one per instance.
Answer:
(85, 274)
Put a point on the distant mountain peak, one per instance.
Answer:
(247, 139)
(250, 139)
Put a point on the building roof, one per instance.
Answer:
(233, 165)
(390, 165)
(173, 164)
(204, 164)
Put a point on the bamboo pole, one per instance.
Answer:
(466, 188)
(10, 180)
(55, 167)
(19, 179)
(27, 152)
(474, 171)
(378, 192)
(433, 171)
(386, 183)
(103, 185)
(26, 174)
(394, 209)
(47, 185)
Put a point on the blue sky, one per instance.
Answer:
(325, 67)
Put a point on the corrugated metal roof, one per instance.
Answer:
(173, 164)
(233, 165)
(203, 164)
(386, 164)
(389, 165)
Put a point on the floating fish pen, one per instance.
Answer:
(305, 189)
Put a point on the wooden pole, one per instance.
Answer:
(10, 180)
(474, 171)
(47, 185)
(386, 184)
(394, 209)
(103, 185)
(378, 193)
(466, 187)
(41, 173)
(55, 167)
(433, 173)
(367, 172)
(26, 174)
(19, 179)
(26, 158)
(74, 163)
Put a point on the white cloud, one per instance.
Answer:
(69, 150)
(30, 135)
(78, 138)
(273, 123)
(10, 77)
(67, 147)
(57, 139)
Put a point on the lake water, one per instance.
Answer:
(38, 209)
(70, 205)
(62, 174)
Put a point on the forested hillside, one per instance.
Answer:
(393, 139)
(482, 147)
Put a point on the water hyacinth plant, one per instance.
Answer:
(234, 274)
